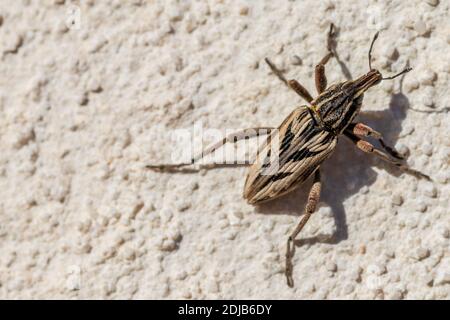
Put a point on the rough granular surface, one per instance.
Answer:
(92, 91)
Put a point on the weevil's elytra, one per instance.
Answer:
(306, 138)
(303, 147)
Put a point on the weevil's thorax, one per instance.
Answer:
(338, 105)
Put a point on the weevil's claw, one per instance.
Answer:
(332, 31)
(392, 151)
(289, 280)
(166, 167)
(425, 176)
(395, 153)
(417, 174)
(330, 40)
(276, 71)
(289, 268)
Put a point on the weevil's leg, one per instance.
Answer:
(369, 148)
(234, 137)
(313, 199)
(293, 84)
(182, 168)
(360, 129)
(320, 77)
(300, 90)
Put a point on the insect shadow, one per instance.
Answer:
(332, 44)
(345, 173)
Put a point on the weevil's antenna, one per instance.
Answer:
(408, 69)
(371, 47)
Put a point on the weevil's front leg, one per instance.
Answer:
(234, 137)
(369, 148)
(320, 77)
(360, 129)
(313, 200)
(293, 84)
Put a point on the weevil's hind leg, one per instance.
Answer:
(320, 77)
(232, 138)
(182, 167)
(313, 200)
(293, 84)
(369, 148)
(360, 129)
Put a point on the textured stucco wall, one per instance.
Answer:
(86, 105)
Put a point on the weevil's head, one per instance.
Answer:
(339, 104)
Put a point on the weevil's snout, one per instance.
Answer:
(373, 77)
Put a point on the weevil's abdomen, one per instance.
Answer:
(292, 154)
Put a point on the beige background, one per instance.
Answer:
(91, 91)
